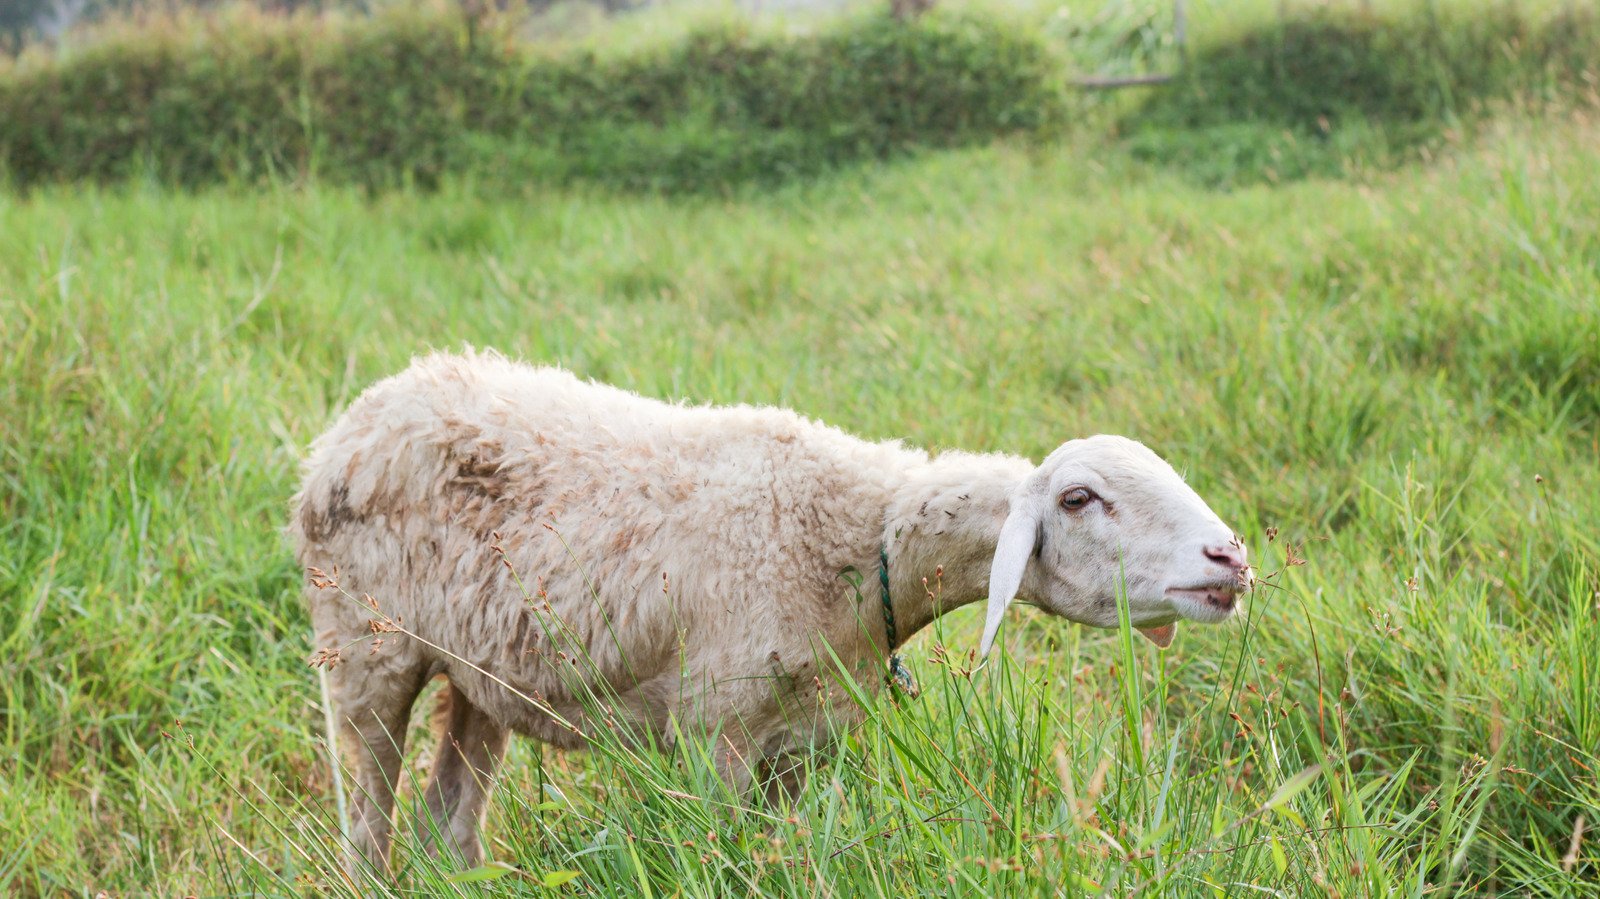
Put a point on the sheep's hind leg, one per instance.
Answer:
(373, 711)
(470, 749)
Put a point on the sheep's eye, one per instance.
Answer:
(1076, 498)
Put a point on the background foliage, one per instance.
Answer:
(410, 95)
(407, 96)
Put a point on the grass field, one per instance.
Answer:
(1389, 383)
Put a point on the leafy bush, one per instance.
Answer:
(409, 96)
(1324, 85)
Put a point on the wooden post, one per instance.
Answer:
(1180, 29)
(909, 9)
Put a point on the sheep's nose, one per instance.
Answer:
(1230, 554)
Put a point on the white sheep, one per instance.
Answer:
(510, 519)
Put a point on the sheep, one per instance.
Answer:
(508, 519)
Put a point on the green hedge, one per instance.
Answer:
(1333, 62)
(1322, 85)
(407, 97)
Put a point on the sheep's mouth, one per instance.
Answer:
(1219, 596)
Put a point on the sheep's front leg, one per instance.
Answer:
(777, 775)
(736, 763)
(470, 750)
(783, 777)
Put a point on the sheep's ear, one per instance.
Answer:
(1018, 536)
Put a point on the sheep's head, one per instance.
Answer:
(1103, 517)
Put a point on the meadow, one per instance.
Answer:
(1386, 377)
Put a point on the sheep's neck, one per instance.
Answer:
(941, 530)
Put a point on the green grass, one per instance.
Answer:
(1398, 376)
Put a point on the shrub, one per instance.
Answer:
(409, 96)
(1322, 85)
